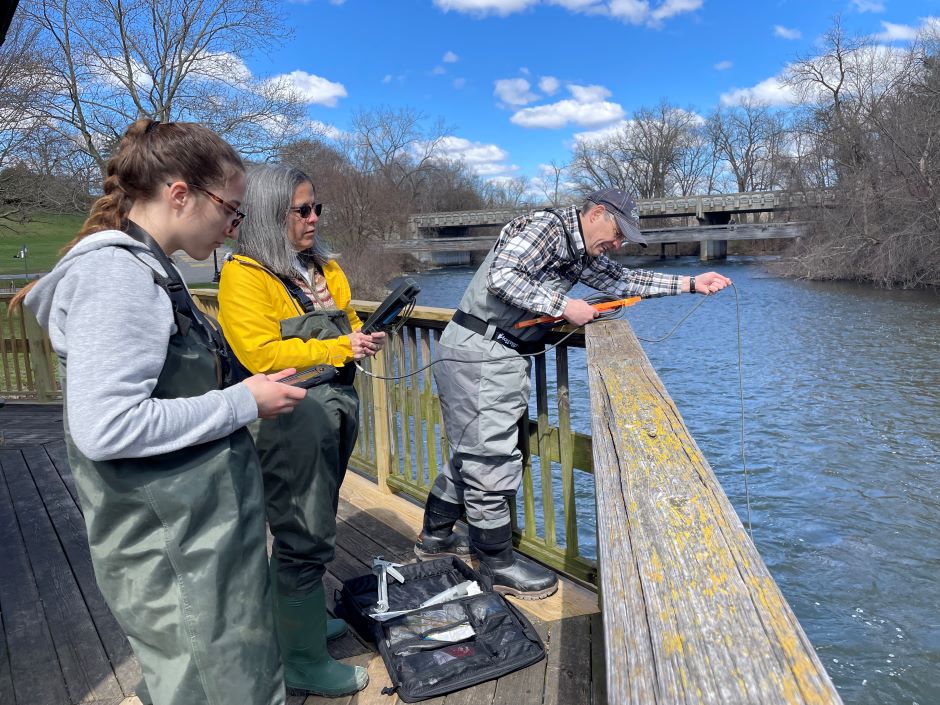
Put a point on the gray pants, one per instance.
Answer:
(481, 405)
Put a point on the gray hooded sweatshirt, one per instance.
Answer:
(110, 323)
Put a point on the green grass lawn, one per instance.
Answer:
(44, 236)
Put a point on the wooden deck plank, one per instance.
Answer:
(568, 664)
(526, 686)
(70, 528)
(34, 668)
(60, 458)
(83, 660)
(6, 677)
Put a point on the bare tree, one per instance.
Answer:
(749, 139)
(645, 155)
(507, 193)
(111, 62)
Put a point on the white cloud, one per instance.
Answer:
(588, 94)
(786, 32)
(483, 159)
(438, 70)
(671, 8)
(387, 78)
(485, 7)
(891, 32)
(514, 91)
(460, 82)
(314, 89)
(603, 133)
(587, 107)
(629, 11)
(325, 129)
(771, 91)
(450, 58)
(868, 5)
(723, 65)
(549, 85)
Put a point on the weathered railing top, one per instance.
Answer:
(691, 613)
(649, 208)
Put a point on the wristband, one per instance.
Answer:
(691, 285)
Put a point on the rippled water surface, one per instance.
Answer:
(842, 398)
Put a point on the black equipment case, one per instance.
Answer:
(420, 666)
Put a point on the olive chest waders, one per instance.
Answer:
(178, 546)
(481, 405)
(303, 458)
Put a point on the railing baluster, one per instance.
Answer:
(415, 405)
(427, 406)
(545, 455)
(566, 452)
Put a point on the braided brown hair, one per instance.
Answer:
(150, 154)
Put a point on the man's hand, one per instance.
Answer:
(710, 283)
(578, 312)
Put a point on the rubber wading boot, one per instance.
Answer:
(301, 632)
(438, 538)
(511, 573)
(336, 628)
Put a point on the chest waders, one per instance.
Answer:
(303, 458)
(481, 406)
(178, 547)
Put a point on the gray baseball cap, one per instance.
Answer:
(624, 209)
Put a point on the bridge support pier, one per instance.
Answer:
(713, 249)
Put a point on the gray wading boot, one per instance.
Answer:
(511, 573)
(302, 634)
(438, 538)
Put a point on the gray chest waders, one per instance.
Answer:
(178, 546)
(481, 406)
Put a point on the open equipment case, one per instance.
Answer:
(446, 646)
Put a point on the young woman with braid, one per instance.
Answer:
(168, 479)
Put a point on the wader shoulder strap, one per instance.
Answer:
(297, 293)
(566, 230)
(185, 310)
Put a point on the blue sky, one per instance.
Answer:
(519, 80)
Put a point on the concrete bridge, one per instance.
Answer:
(445, 237)
(716, 209)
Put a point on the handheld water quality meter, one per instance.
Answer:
(311, 377)
(402, 298)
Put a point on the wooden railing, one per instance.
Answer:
(402, 443)
(691, 613)
(28, 367)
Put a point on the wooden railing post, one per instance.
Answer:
(383, 464)
(38, 357)
(691, 613)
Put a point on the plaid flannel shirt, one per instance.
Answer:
(534, 248)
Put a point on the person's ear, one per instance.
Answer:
(177, 193)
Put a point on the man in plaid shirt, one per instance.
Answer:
(482, 374)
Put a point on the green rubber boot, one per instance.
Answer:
(301, 632)
(335, 628)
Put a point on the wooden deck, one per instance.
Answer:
(59, 644)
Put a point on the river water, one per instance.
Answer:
(842, 400)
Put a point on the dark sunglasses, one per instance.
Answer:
(239, 216)
(304, 210)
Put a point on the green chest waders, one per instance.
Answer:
(178, 546)
(303, 457)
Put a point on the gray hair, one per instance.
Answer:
(269, 194)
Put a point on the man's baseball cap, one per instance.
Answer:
(620, 205)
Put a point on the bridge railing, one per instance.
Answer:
(28, 367)
(402, 443)
(691, 613)
(406, 445)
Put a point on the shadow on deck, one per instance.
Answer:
(60, 645)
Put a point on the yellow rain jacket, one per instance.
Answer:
(252, 304)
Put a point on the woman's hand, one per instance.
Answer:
(271, 396)
(365, 344)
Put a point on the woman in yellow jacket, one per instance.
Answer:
(284, 302)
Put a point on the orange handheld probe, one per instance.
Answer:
(606, 306)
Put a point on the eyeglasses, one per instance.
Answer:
(239, 216)
(305, 210)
